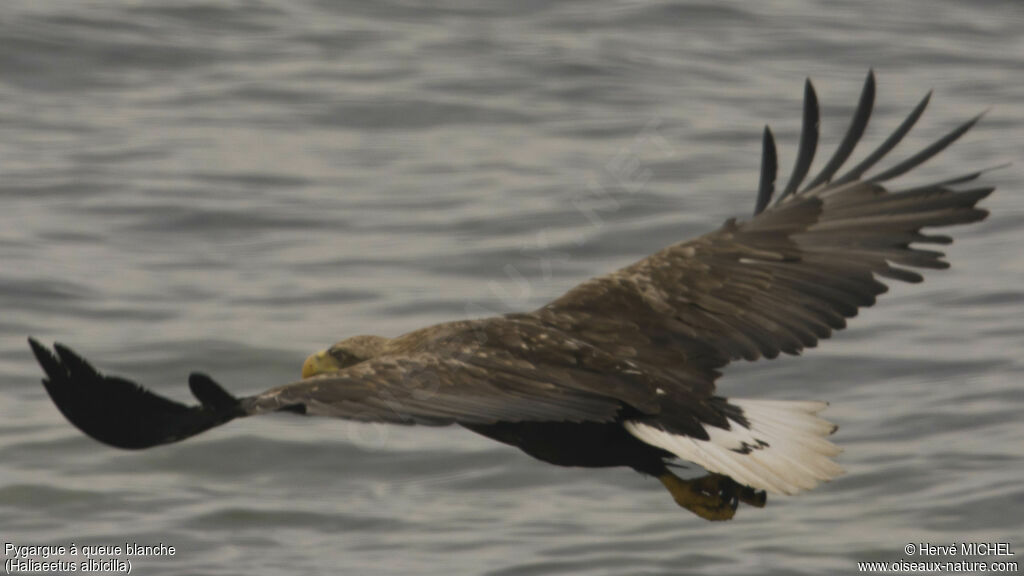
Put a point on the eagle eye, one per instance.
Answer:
(343, 357)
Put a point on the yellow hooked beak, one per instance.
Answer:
(319, 363)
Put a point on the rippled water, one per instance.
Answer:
(228, 186)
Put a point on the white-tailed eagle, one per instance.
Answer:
(621, 370)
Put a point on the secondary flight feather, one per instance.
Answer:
(621, 370)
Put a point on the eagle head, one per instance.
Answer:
(348, 352)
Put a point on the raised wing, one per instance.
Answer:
(789, 276)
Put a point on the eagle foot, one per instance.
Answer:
(713, 497)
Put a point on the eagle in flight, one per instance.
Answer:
(621, 370)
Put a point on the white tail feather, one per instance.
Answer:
(784, 450)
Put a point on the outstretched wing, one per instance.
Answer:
(789, 276)
(467, 384)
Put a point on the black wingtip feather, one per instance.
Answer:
(211, 394)
(119, 412)
(769, 170)
(962, 179)
(889, 143)
(808, 141)
(75, 364)
(43, 356)
(928, 152)
(853, 135)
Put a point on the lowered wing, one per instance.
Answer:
(441, 385)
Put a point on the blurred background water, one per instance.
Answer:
(227, 186)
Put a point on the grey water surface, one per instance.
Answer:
(227, 186)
